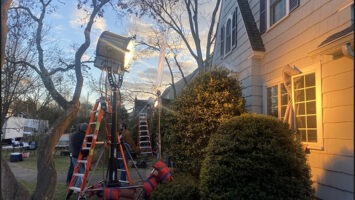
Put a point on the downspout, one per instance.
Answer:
(347, 51)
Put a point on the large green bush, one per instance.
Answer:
(196, 114)
(182, 187)
(254, 157)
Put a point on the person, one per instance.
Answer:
(75, 142)
(14, 143)
(129, 147)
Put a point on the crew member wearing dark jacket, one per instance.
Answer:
(75, 143)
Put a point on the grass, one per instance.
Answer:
(61, 165)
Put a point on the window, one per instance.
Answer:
(277, 100)
(305, 106)
(272, 101)
(272, 11)
(229, 34)
(277, 10)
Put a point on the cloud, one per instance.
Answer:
(80, 17)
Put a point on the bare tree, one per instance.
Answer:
(17, 80)
(47, 176)
(5, 5)
(167, 12)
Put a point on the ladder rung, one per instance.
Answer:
(122, 181)
(144, 142)
(92, 123)
(82, 161)
(90, 135)
(86, 148)
(79, 174)
(121, 170)
(144, 136)
(145, 147)
(95, 111)
(74, 189)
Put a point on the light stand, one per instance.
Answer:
(114, 54)
(159, 135)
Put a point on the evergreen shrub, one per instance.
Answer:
(254, 157)
(183, 186)
(196, 114)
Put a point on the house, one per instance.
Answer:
(295, 59)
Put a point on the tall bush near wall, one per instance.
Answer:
(195, 115)
(254, 157)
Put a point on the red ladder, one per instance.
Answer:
(144, 142)
(79, 178)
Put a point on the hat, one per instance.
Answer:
(83, 126)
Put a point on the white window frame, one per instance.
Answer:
(268, 21)
(316, 68)
(319, 145)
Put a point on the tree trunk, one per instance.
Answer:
(47, 178)
(11, 189)
(5, 4)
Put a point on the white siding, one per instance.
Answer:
(291, 42)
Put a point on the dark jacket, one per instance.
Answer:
(75, 143)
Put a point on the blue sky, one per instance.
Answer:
(66, 30)
(66, 24)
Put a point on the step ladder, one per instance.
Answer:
(79, 178)
(144, 142)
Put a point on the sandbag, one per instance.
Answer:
(119, 194)
(149, 185)
(164, 175)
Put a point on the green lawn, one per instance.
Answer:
(62, 164)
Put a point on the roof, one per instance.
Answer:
(168, 93)
(338, 35)
(250, 25)
(139, 104)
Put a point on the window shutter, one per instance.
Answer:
(263, 16)
(234, 28)
(294, 4)
(222, 41)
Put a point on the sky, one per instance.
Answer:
(66, 30)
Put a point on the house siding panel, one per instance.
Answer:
(343, 130)
(330, 162)
(337, 182)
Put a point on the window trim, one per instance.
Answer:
(316, 69)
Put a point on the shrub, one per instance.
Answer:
(254, 157)
(183, 186)
(210, 99)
